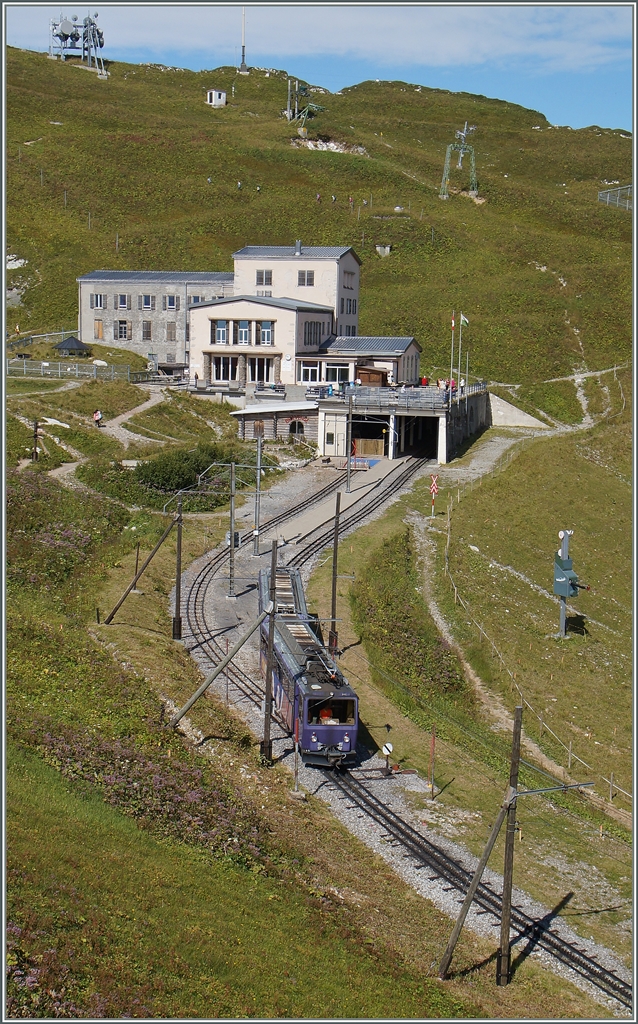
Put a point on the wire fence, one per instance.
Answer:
(500, 466)
(85, 371)
(621, 197)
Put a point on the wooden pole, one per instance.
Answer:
(503, 962)
(177, 618)
(332, 642)
(266, 747)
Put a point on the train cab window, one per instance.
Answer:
(331, 712)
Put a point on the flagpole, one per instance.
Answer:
(458, 378)
(452, 359)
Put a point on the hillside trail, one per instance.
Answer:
(482, 462)
(114, 428)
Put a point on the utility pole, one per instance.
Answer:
(510, 795)
(266, 746)
(503, 961)
(177, 618)
(332, 641)
(288, 110)
(243, 70)
(34, 453)
(451, 362)
(231, 563)
(257, 499)
(349, 441)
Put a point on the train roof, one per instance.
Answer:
(295, 639)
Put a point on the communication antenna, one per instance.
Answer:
(243, 70)
(65, 36)
(461, 147)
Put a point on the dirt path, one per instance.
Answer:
(114, 426)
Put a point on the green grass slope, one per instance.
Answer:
(537, 262)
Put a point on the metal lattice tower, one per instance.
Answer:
(461, 147)
(64, 40)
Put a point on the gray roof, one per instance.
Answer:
(286, 252)
(265, 300)
(73, 345)
(361, 345)
(159, 277)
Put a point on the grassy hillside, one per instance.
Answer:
(537, 262)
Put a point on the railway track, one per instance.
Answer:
(427, 855)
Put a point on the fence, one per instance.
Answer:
(621, 197)
(86, 371)
(501, 465)
(50, 337)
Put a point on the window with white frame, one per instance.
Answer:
(170, 302)
(260, 369)
(123, 301)
(98, 301)
(337, 372)
(244, 332)
(305, 278)
(146, 302)
(308, 373)
(225, 368)
(264, 332)
(123, 330)
(219, 332)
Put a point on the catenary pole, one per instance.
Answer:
(177, 618)
(332, 643)
(257, 499)
(504, 956)
(348, 442)
(266, 747)
(231, 563)
(452, 359)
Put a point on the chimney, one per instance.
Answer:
(298, 247)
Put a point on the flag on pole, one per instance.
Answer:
(452, 322)
(464, 320)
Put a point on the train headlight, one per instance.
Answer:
(346, 737)
(313, 738)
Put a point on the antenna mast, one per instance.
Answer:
(243, 70)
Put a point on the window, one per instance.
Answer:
(260, 369)
(337, 373)
(312, 332)
(305, 278)
(219, 332)
(122, 330)
(330, 438)
(343, 305)
(348, 280)
(225, 368)
(194, 299)
(146, 302)
(98, 330)
(98, 301)
(308, 373)
(171, 331)
(170, 302)
(122, 301)
(264, 277)
(146, 330)
(296, 427)
(348, 305)
(351, 331)
(264, 332)
(244, 332)
(354, 305)
(170, 357)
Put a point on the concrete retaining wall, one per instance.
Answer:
(505, 415)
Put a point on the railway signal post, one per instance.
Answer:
(266, 746)
(434, 489)
(565, 579)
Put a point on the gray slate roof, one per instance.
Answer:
(286, 252)
(361, 345)
(159, 277)
(265, 300)
(72, 345)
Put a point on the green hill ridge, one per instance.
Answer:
(540, 268)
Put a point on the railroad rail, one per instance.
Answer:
(427, 854)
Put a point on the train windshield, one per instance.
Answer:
(330, 712)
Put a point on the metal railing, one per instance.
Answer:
(31, 339)
(85, 371)
(429, 399)
(621, 197)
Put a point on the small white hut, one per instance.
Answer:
(216, 98)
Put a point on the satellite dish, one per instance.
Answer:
(65, 29)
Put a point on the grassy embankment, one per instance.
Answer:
(137, 151)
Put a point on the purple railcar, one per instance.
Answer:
(309, 691)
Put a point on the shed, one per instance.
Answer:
(72, 347)
(216, 98)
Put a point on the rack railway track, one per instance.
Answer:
(423, 851)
